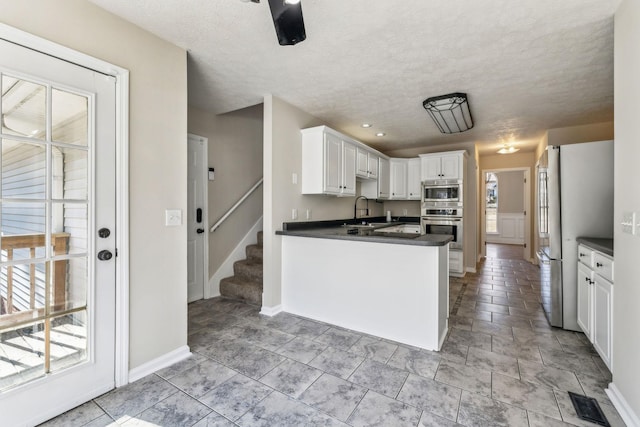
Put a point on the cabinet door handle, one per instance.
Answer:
(581, 255)
(598, 264)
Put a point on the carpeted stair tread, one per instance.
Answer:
(241, 289)
(246, 283)
(250, 269)
(254, 252)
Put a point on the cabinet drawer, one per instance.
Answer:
(603, 265)
(585, 255)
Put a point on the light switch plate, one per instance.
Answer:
(173, 217)
(294, 213)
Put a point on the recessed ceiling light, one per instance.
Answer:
(380, 134)
(291, 1)
(366, 125)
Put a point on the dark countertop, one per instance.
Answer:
(599, 244)
(347, 230)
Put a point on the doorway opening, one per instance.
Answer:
(505, 213)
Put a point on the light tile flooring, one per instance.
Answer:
(501, 365)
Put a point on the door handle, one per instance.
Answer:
(199, 215)
(200, 230)
(105, 255)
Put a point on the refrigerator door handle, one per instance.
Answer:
(543, 258)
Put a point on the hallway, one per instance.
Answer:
(501, 365)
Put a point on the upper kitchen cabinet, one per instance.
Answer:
(378, 188)
(439, 166)
(414, 184)
(328, 163)
(367, 164)
(398, 179)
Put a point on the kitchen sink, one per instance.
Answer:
(401, 228)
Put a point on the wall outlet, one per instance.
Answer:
(628, 223)
(294, 178)
(404, 212)
(308, 214)
(172, 217)
(294, 213)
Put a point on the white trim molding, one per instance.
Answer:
(158, 363)
(122, 176)
(238, 253)
(630, 418)
(271, 311)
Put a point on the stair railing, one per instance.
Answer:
(238, 203)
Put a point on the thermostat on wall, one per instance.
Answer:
(211, 174)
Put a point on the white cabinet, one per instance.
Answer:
(367, 164)
(456, 262)
(595, 299)
(414, 183)
(585, 299)
(448, 165)
(398, 179)
(328, 163)
(373, 165)
(384, 178)
(602, 318)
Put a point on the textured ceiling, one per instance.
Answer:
(527, 65)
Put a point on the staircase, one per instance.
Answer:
(246, 283)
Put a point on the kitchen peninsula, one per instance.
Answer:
(391, 285)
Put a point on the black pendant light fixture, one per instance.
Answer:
(450, 112)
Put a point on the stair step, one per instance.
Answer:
(254, 252)
(250, 269)
(260, 238)
(241, 289)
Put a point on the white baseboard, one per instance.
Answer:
(271, 311)
(238, 253)
(158, 363)
(630, 418)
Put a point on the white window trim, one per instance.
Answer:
(121, 76)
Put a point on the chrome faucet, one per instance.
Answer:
(355, 207)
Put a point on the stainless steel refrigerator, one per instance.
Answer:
(575, 199)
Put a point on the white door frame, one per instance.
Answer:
(527, 208)
(122, 178)
(205, 209)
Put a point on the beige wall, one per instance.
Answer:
(235, 151)
(626, 298)
(585, 133)
(508, 161)
(282, 157)
(158, 172)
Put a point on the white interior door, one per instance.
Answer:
(58, 264)
(196, 216)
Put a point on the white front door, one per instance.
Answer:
(198, 229)
(57, 208)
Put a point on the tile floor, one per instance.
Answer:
(501, 365)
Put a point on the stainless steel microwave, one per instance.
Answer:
(442, 193)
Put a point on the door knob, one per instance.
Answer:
(200, 230)
(104, 233)
(105, 255)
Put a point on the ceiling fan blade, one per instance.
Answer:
(288, 22)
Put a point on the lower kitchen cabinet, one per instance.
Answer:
(456, 262)
(595, 299)
(602, 316)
